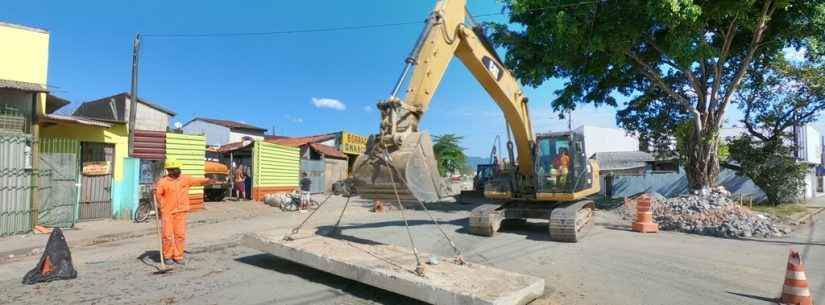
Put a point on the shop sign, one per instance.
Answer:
(96, 168)
(352, 143)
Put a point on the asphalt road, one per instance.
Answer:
(612, 266)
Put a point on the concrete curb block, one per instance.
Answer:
(385, 267)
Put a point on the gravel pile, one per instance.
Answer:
(713, 214)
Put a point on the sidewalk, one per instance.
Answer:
(108, 230)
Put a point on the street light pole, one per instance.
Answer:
(133, 92)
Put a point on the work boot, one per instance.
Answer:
(180, 262)
(169, 262)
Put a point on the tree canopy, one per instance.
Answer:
(449, 154)
(678, 60)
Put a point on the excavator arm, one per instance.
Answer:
(400, 158)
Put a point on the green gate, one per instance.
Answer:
(57, 204)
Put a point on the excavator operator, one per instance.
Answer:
(172, 195)
(562, 164)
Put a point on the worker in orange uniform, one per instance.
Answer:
(562, 164)
(172, 194)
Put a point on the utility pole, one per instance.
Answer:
(133, 95)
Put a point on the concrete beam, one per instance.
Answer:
(391, 268)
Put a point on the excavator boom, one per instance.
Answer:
(399, 159)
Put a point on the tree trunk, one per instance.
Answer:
(702, 160)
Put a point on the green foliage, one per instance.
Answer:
(449, 154)
(678, 60)
(771, 167)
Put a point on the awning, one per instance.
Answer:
(57, 118)
(22, 86)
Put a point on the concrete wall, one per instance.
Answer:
(237, 135)
(600, 139)
(148, 118)
(216, 135)
(674, 184)
(24, 55)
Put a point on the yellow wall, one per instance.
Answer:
(24, 55)
(116, 135)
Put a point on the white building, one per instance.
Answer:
(601, 139)
(221, 132)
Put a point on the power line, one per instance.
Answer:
(336, 29)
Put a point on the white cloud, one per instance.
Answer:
(328, 103)
(368, 108)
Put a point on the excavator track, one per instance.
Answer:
(572, 222)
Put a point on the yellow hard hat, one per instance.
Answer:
(172, 163)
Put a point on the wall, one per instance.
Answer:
(275, 169)
(129, 189)
(812, 144)
(117, 135)
(600, 139)
(215, 135)
(237, 136)
(336, 169)
(149, 118)
(191, 151)
(25, 54)
(675, 184)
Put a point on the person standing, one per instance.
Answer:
(306, 185)
(239, 179)
(172, 196)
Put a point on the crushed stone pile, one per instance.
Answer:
(712, 214)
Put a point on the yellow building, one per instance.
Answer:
(24, 61)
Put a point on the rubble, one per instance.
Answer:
(713, 213)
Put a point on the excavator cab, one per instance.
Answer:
(562, 167)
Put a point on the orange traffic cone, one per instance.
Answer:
(644, 217)
(795, 290)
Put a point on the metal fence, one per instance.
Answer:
(15, 184)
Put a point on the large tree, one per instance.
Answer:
(689, 55)
(774, 101)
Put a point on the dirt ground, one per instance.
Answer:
(612, 266)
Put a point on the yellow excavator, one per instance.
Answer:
(550, 178)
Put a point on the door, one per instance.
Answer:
(97, 163)
(315, 173)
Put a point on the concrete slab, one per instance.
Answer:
(392, 268)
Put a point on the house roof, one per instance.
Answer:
(102, 109)
(54, 103)
(301, 141)
(233, 146)
(328, 151)
(228, 124)
(621, 160)
(23, 86)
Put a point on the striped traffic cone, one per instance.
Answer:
(795, 290)
(644, 217)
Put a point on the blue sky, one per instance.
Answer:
(285, 82)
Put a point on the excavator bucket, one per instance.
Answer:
(407, 168)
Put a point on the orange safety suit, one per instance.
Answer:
(173, 200)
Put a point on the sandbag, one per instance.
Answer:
(55, 264)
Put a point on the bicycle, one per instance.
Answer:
(295, 202)
(145, 210)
